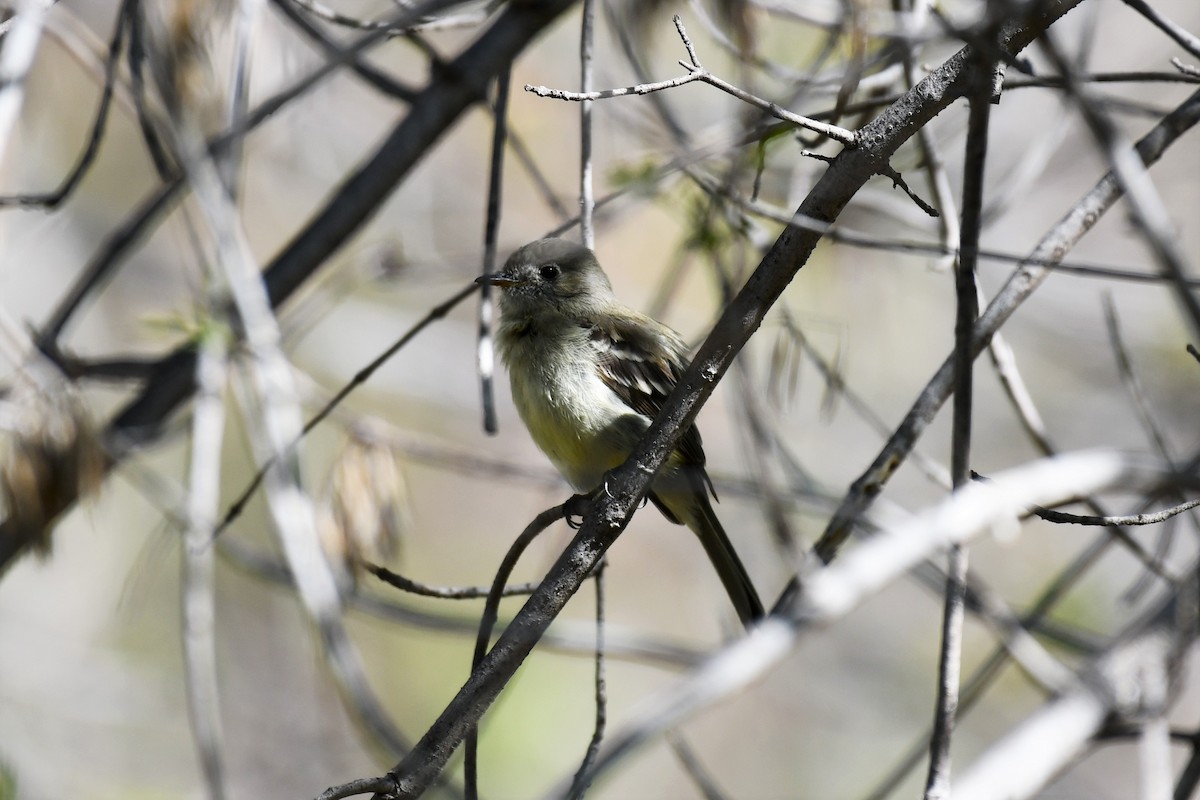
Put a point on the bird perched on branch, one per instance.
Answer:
(588, 374)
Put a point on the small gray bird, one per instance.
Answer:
(588, 374)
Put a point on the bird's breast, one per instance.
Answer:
(578, 422)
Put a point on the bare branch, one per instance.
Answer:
(1184, 38)
(485, 349)
(579, 785)
(697, 73)
(199, 600)
(641, 88)
(1134, 519)
(1149, 211)
(1024, 281)
(444, 592)
(54, 197)
(937, 785)
(587, 198)
(487, 622)
(383, 785)
(565, 637)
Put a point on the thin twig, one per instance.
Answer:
(692, 766)
(1057, 82)
(143, 97)
(697, 73)
(1152, 564)
(1153, 430)
(855, 238)
(567, 638)
(487, 622)
(485, 348)
(687, 42)
(641, 88)
(587, 197)
(444, 592)
(1149, 212)
(846, 137)
(937, 785)
(1183, 37)
(199, 600)
(1188, 70)
(384, 785)
(247, 29)
(898, 181)
(362, 376)
(931, 154)
(54, 197)
(1004, 361)
(1133, 519)
(580, 785)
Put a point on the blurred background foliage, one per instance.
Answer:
(92, 697)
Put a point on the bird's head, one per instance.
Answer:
(551, 276)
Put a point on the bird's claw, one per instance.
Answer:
(574, 510)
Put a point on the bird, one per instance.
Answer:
(588, 374)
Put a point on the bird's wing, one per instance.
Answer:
(642, 368)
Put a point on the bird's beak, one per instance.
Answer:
(498, 279)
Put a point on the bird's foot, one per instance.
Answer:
(574, 510)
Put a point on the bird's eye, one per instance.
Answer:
(549, 271)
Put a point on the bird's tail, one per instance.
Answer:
(725, 561)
